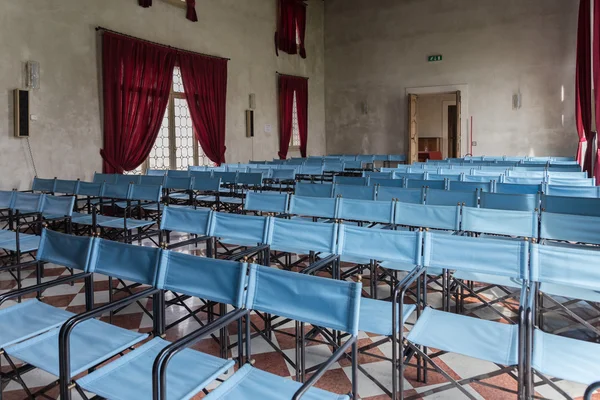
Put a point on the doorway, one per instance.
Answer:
(451, 131)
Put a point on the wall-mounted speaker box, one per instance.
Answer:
(21, 105)
(249, 123)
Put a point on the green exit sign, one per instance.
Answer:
(434, 58)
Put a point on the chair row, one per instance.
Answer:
(497, 173)
(65, 345)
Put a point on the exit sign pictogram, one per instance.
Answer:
(434, 58)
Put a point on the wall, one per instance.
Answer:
(60, 34)
(376, 49)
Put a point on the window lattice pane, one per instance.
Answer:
(295, 139)
(159, 155)
(177, 81)
(184, 135)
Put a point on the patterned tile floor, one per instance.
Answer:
(337, 379)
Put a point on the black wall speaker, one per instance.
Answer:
(21, 104)
(249, 123)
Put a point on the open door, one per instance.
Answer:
(457, 130)
(413, 129)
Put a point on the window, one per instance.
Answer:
(176, 146)
(295, 138)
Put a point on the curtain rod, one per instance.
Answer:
(100, 28)
(293, 76)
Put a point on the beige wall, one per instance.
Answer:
(374, 50)
(60, 34)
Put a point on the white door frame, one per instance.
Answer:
(464, 119)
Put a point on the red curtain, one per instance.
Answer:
(191, 10)
(291, 24)
(288, 85)
(583, 85)
(137, 78)
(302, 108)
(205, 85)
(596, 55)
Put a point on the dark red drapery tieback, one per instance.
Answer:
(191, 10)
(145, 3)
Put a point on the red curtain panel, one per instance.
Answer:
(191, 10)
(205, 85)
(301, 25)
(596, 73)
(288, 85)
(302, 107)
(583, 85)
(291, 20)
(137, 78)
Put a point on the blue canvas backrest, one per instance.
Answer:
(397, 157)
(518, 173)
(206, 184)
(172, 173)
(420, 183)
(351, 165)
(250, 179)
(470, 186)
(284, 174)
(249, 230)
(491, 172)
(220, 281)
(380, 244)
(312, 169)
(236, 168)
(350, 180)
(407, 175)
(386, 193)
(323, 302)
(187, 220)
(506, 201)
(378, 175)
(146, 193)
(506, 258)
(427, 216)
(334, 167)
(482, 179)
(500, 222)
(571, 228)
(123, 179)
(193, 168)
(226, 177)
(58, 206)
(572, 191)
(104, 178)
(365, 158)
(301, 237)
(117, 190)
(567, 266)
(571, 205)
(137, 264)
(567, 174)
(43, 185)
(510, 188)
(267, 202)
(313, 189)
(386, 182)
(155, 180)
(265, 173)
(64, 186)
(571, 182)
(178, 183)
(156, 172)
(441, 177)
(200, 175)
(523, 181)
(448, 198)
(28, 202)
(65, 250)
(90, 189)
(7, 199)
(399, 169)
(355, 192)
(366, 210)
(324, 207)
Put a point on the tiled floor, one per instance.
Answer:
(337, 379)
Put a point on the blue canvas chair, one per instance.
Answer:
(313, 190)
(572, 191)
(66, 187)
(419, 183)
(378, 175)
(427, 216)
(313, 208)
(282, 179)
(239, 235)
(206, 193)
(104, 178)
(194, 224)
(455, 176)
(387, 193)
(282, 293)
(156, 172)
(311, 173)
(178, 190)
(173, 370)
(512, 188)
(571, 205)
(574, 273)
(448, 198)
(482, 179)
(172, 173)
(40, 185)
(389, 182)
(408, 175)
(447, 332)
(267, 202)
(401, 251)
(350, 180)
(571, 181)
(462, 186)
(355, 192)
(506, 201)
(369, 212)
